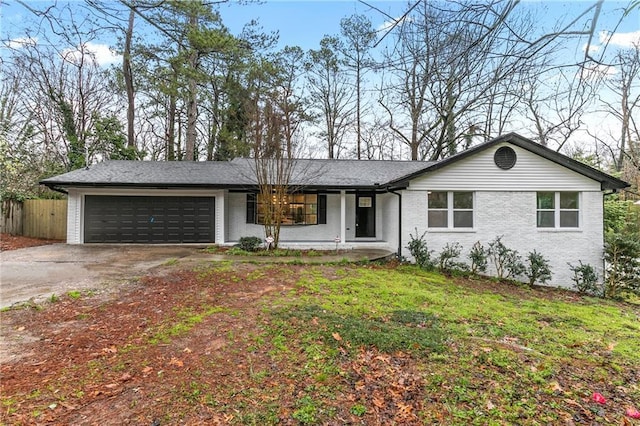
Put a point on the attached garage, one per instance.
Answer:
(149, 219)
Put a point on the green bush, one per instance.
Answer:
(622, 248)
(446, 259)
(478, 256)
(586, 279)
(420, 252)
(507, 261)
(538, 269)
(250, 243)
(622, 260)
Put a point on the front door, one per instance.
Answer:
(365, 215)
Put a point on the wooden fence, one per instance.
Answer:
(35, 218)
(11, 218)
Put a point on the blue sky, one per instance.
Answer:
(305, 22)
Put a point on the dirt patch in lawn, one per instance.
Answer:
(130, 356)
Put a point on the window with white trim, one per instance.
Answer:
(558, 209)
(450, 209)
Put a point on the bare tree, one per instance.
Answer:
(272, 163)
(64, 92)
(358, 38)
(556, 102)
(625, 86)
(330, 93)
(127, 75)
(441, 70)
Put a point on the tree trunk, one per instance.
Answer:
(128, 81)
(358, 131)
(192, 104)
(171, 128)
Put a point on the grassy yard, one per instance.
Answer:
(483, 352)
(240, 343)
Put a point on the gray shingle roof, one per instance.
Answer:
(312, 174)
(239, 173)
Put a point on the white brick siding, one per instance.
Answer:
(513, 215)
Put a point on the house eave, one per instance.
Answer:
(64, 186)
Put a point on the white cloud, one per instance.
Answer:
(625, 40)
(20, 42)
(101, 53)
(386, 25)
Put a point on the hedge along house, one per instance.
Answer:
(535, 198)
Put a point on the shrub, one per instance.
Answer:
(478, 256)
(249, 243)
(538, 269)
(446, 260)
(420, 252)
(586, 279)
(507, 261)
(622, 259)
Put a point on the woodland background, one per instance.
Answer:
(440, 78)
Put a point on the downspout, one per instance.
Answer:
(399, 254)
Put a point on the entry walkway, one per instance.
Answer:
(353, 255)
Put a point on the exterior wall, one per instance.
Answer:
(530, 173)
(74, 217)
(75, 207)
(505, 204)
(386, 221)
(231, 223)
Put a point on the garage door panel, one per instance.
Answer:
(144, 219)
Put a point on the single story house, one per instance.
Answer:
(534, 197)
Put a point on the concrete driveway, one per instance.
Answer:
(36, 273)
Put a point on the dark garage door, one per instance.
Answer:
(150, 220)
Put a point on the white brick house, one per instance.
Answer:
(534, 197)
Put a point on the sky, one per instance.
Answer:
(305, 22)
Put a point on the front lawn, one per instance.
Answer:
(244, 343)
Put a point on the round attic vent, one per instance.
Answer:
(505, 157)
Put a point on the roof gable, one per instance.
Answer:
(479, 172)
(606, 181)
